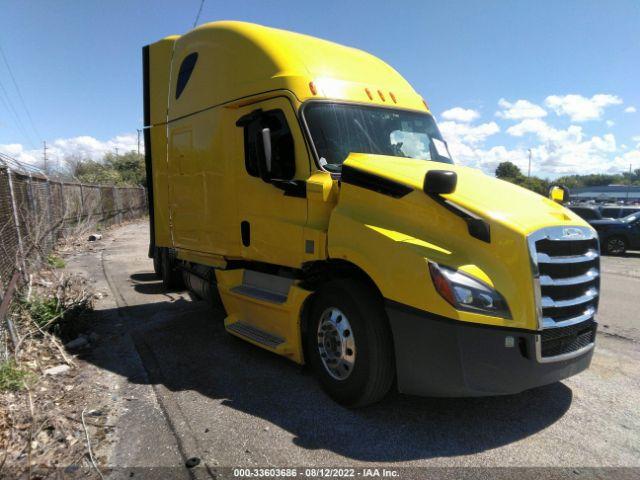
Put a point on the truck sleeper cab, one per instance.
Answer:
(308, 186)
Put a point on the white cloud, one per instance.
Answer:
(554, 151)
(545, 132)
(565, 151)
(631, 157)
(466, 133)
(630, 109)
(486, 159)
(519, 109)
(459, 114)
(580, 108)
(466, 141)
(83, 146)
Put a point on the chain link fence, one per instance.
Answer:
(36, 211)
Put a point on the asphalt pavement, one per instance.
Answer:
(200, 392)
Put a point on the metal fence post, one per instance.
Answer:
(16, 221)
(101, 204)
(50, 205)
(63, 210)
(81, 215)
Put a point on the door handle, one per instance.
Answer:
(245, 233)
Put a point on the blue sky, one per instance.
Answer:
(573, 65)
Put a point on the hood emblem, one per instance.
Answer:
(572, 233)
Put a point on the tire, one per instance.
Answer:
(615, 246)
(157, 262)
(171, 276)
(346, 316)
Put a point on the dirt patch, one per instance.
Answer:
(53, 416)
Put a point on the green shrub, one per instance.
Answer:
(65, 321)
(44, 311)
(12, 378)
(55, 261)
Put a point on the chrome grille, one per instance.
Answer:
(566, 268)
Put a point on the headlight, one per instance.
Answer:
(464, 292)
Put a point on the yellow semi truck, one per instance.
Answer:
(307, 184)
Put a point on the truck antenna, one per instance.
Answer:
(195, 22)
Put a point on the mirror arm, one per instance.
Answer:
(477, 227)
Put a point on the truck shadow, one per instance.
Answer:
(624, 255)
(184, 347)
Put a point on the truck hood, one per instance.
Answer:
(488, 197)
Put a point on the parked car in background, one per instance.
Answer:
(588, 212)
(618, 235)
(617, 211)
(603, 212)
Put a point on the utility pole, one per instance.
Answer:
(44, 154)
(139, 132)
(116, 151)
(529, 171)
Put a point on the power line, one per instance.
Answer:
(198, 15)
(18, 165)
(15, 84)
(23, 130)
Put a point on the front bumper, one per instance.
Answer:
(442, 357)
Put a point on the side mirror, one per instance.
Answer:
(559, 194)
(266, 144)
(438, 182)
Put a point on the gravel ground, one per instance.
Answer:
(186, 389)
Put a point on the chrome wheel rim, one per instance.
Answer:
(336, 343)
(616, 245)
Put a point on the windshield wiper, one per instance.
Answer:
(366, 134)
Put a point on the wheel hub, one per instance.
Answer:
(336, 343)
(616, 245)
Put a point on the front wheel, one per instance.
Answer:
(349, 343)
(615, 246)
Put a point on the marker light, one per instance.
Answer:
(381, 96)
(441, 284)
(467, 293)
(368, 93)
(393, 97)
(312, 87)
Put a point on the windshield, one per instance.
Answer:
(631, 218)
(340, 129)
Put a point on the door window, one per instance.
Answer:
(282, 147)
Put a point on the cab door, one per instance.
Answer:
(272, 203)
